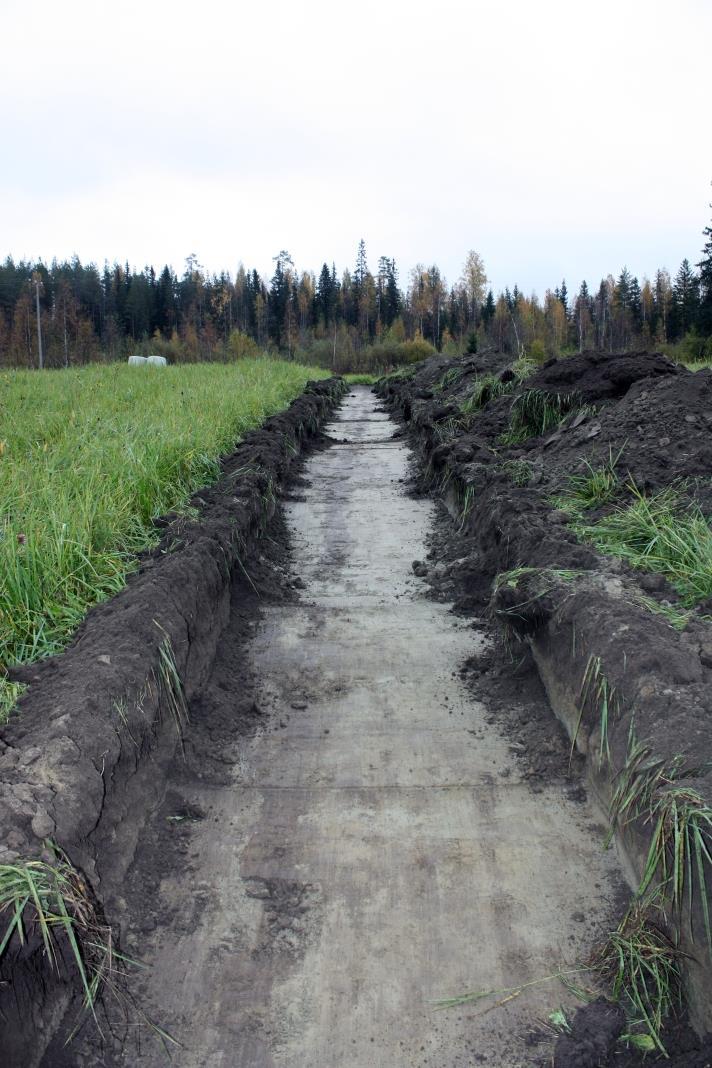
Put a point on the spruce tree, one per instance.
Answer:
(634, 301)
(325, 295)
(564, 297)
(685, 304)
(704, 314)
(361, 264)
(488, 308)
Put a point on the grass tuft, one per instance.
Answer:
(466, 502)
(53, 899)
(680, 850)
(535, 412)
(450, 378)
(524, 367)
(171, 686)
(643, 969)
(10, 694)
(486, 389)
(677, 865)
(597, 691)
(595, 488)
(659, 534)
(518, 471)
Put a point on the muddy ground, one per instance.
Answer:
(655, 418)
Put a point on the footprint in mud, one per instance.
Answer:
(291, 919)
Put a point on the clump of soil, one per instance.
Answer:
(593, 1037)
(595, 1041)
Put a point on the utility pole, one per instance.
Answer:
(38, 282)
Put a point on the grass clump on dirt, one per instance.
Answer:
(401, 374)
(535, 412)
(642, 968)
(677, 867)
(517, 471)
(451, 377)
(681, 849)
(486, 389)
(88, 459)
(596, 487)
(597, 692)
(659, 534)
(52, 899)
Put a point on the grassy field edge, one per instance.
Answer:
(88, 459)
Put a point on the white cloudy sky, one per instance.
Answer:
(555, 137)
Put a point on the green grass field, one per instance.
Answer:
(87, 458)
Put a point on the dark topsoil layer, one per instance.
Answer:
(97, 733)
(221, 716)
(658, 416)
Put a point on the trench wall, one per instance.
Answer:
(657, 679)
(112, 708)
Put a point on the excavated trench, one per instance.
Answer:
(350, 838)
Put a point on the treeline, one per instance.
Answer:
(358, 320)
(620, 314)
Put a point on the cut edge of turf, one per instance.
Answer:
(53, 618)
(140, 695)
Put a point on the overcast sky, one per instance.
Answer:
(555, 138)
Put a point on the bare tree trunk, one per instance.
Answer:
(520, 347)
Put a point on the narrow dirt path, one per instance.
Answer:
(376, 848)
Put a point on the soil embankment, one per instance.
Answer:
(625, 660)
(99, 726)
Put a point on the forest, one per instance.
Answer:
(357, 320)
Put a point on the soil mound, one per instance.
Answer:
(626, 665)
(659, 432)
(597, 376)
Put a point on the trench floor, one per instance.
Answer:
(376, 848)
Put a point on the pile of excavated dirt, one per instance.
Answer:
(581, 616)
